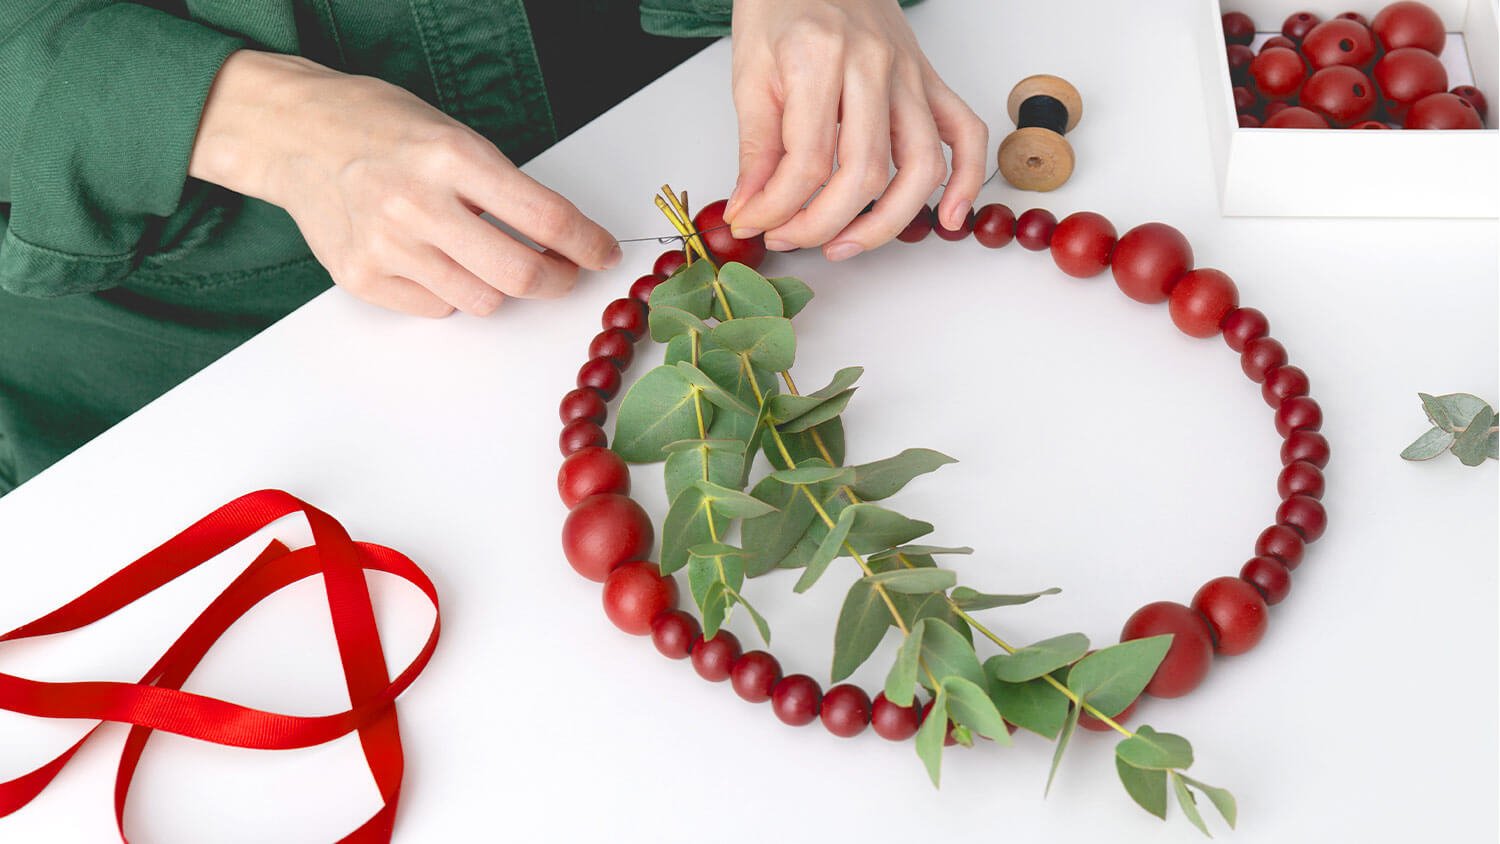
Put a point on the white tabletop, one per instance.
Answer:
(1102, 452)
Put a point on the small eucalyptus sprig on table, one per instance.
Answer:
(725, 395)
(1462, 424)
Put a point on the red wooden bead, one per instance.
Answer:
(1240, 57)
(1409, 24)
(1148, 260)
(1298, 24)
(668, 263)
(1282, 383)
(635, 594)
(919, 227)
(1305, 445)
(1238, 28)
(1443, 111)
(959, 233)
(1242, 325)
(713, 658)
(641, 289)
(615, 344)
(1340, 94)
(1296, 117)
(845, 710)
(1283, 543)
(1190, 655)
(1081, 244)
(1475, 98)
(994, 225)
(1244, 99)
(1269, 577)
(1369, 124)
(582, 403)
(1406, 75)
(709, 222)
(626, 314)
(673, 633)
(600, 375)
(1356, 17)
(1034, 229)
(1338, 42)
(1300, 477)
(1261, 356)
(578, 435)
(604, 531)
(1249, 121)
(1279, 41)
(1201, 300)
(1278, 73)
(1298, 413)
(1236, 612)
(591, 471)
(1304, 515)
(892, 722)
(795, 700)
(754, 675)
(1089, 722)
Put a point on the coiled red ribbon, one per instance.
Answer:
(157, 702)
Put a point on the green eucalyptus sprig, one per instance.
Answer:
(1462, 424)
(717, 403)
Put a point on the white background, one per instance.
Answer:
(1102, 452)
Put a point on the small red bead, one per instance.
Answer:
(615, 344)
(1269, 577)
(629, 315)
(1298, 24)
(1089, 722)
(1278, 41)
(1298, 413)
(1236, 612)
(1283, 543)
(1273, 109)
(1409, 24)
(1296, 117)
(1340, 94)
(600, 375)
(1200, 301)
(1261, 356)
(641, 289)
(1305, 445)
(713, 658)
(1148, 261)
(795, 700)
(1240, 57)
(1278, 73)
(892, 722)
(1475, 97)
(709, 222)
(919, 227)
(1244, 99)
(1443, 111)
(963, 231)
(1249, 121)
(1082, 243)
(582, 403)
(845, 710)
(1338, 42)
(635, 594)
(1190, 655)
(1304, 515)
(1282, 383)
(604, 531)
(1356, 17)
(1242, 325)
(668, 263)
(578, 435)
(1034, 229)
(994, 225)
(1300, 477)
(591, 471)
(673, 632)
(754, 675)
(1238, 27)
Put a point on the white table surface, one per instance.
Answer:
(1102, 452)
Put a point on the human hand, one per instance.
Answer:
(822, 80)
(387, 190)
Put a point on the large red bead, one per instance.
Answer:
(673, 633)
(919, 227)
(582, 403)
(1305, 445)
(600, 374)
(1443, 111)
(1299, 24)
(725, 247)
(795, 700)
(578, 435)
(1034, 229)
(1296, 117)
(1242, 325)
(1240, 57)
(713, 658)
(1338, 42)
(591, 471)
(1269, 577)
(1304, 515)
(1340, 94)
(668, 263)
(628, 315)
(1409, 24)
(1190, 655)
(1406, 75)
(635, 594)
(754, 675)
(1278, 73)
(1475, 98)
(1148, 260)
(1298, 413)
(1300, 477)
(1081, 244)
(1282, 383)
(1200, 301)
(892, 722)
(994, 225)
(640, 289)
(964, 230)
(1089, 722)
(845, 710)
(1283, 543)
(614, 343)
(1261, 356)
(604, 531)
(1236, 612)
(1238, 27)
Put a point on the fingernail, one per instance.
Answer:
(733, 204)
(959, 214)
(842, 251)
(777, 245)
(743, 232)
(615, 254)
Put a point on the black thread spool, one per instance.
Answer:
(1036, 156)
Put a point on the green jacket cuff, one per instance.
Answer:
(693, 18)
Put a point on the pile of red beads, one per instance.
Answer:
(607, 537)
(1349, 72)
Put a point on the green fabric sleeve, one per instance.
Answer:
(693, 18)
(107, 98)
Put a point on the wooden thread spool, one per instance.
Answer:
(1036, 156)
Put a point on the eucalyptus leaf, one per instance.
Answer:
(1437, 412)
(656, 411)
(708, 565)
(667, 322)
(920, 551)
(679, 349)
(948, 654)
(1472, 446)
(1187, 802)
(1150, 749)
(901, 681)
(1037, 659)
(711, 390)
(804, 445)
(884, 478)
(795, 294)
(731, 503)
(748, 292)
(931, 734)
(827, 409)
(1429, 445)
(771, 537)
(1461, 408)
(914, 608)
(715, 609)
(690, 461)
(862, 623)
(972, 601)
(811, 472)
(1034, 705)
(1147, 788)
(866, 528)
(919, 581)
(1066, 735)
(1494, 447)
(970, 706)
(1111, 678)
(765, 341)
(690, 289)
(760, 621)
(1220, 797)
(686, 525)
(788, 408)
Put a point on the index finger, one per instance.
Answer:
(544, 216)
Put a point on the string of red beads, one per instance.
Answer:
(607, 536)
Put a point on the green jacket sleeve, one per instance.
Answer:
(693, 18)
(101, 103)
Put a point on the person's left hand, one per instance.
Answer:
(819, 81)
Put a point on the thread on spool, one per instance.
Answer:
(1043, 111)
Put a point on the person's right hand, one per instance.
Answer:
(388, 191)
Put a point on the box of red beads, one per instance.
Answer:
(1294, 87)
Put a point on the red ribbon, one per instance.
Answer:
(157, 702)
